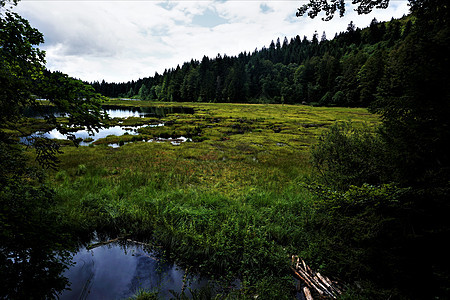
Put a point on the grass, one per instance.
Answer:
(229, 204)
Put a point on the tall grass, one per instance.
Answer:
(249, 236)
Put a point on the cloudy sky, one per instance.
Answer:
(124, 40)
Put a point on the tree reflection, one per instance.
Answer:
(34, 250)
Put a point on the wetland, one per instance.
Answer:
(226, 203)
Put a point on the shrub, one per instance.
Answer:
(347, 155)
(362, 234)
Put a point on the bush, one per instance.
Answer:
(346, 155)
(362, 235)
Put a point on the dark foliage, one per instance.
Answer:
(33, 251)
(346, 156)
(391, 236)
(33, 246)
(413, 100)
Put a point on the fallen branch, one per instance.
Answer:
(92, 246)
(314, 280)
(143, 254)
(99, 244)
(307, 293)
(143, 244)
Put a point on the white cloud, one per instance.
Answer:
(125, 40)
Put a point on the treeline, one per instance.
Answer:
(344, 71)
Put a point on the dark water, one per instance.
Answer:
(42, 111)
(116, 272)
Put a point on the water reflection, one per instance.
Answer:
(113, 112)
(84, 134)
(39, 112)
(126, 113)
(174, 141)
(117, 272)
(145, 112)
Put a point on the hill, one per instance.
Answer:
(344, 71)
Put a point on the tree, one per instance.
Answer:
(190, 86)
(33, 246)
(376, 31)
(347, 155)
(413, 96)
(348, 81)
(23, 76)
(369, 76)
(327, 71)
(412, 99)
(351, 27)
(235, 83)
(330, 7)
(422, 8)
(143, 92)
(20, 62)
(323, 38)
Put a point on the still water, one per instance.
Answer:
(113, 112)
(102, 133)
(116, 272)
(145, 112)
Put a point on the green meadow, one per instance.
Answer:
(228, 203)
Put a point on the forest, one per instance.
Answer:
(343, 71)
(334, 152)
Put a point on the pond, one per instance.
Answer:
(113, 112)
(84, 134)
(116, 271)
(104, 132)
(145, 112)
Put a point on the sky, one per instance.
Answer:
(120, 40)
